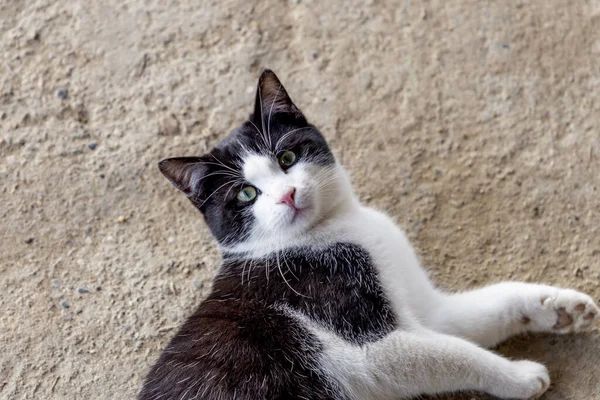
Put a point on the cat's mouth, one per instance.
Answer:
(297, 213)
(295, 210)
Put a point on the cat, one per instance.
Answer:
(320, 297)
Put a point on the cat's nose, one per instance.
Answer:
(288, 198)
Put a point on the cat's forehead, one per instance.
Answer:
(249, 139)
(260, 169)
(258, 139)
(256, 166)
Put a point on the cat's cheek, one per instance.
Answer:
(268, 216)
(304, 197)
(261, 213)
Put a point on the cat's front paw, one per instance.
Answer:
(562, 311)
(526, 380)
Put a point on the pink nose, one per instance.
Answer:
(288, 198)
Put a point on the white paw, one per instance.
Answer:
(561, 311)
(526, 380)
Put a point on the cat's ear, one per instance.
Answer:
(185, 173)
(272, 98)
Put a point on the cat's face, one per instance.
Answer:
(270, 180)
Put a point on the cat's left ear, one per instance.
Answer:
(272, 98)
(185, 173)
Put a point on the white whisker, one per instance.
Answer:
(287, 134)
(215, 191)
(260, 133)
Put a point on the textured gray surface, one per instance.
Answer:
(476, 124)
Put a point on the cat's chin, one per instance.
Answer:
(300, 214)
(299, 219)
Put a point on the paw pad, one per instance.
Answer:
(589, 316)
(574, 311)
(525, 319)
(580, 307)
(561, 311)
(564, 319)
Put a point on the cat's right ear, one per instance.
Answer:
(272, 98)
(185, 173)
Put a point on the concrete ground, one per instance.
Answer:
(475, 124)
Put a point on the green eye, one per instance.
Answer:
(247, 194)
(287, 159)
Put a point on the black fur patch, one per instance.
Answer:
(240, 343)
(336, 286)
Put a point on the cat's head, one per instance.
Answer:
(271, 179)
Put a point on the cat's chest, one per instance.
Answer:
(392, 256)
(337, 286)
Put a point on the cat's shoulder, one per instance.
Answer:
(364, 219)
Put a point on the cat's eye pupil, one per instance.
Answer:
(247, 194)
(287, 159)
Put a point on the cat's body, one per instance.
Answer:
(320, 297)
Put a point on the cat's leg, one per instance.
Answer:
(406, 364)
(489, 315)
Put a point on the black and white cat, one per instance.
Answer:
(320, 297)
